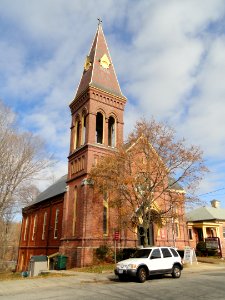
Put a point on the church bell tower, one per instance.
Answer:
(96, 130)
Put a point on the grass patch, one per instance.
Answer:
(96, 269)
(46, 275)
(10, 276)
(18, 276)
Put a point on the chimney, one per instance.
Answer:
(215, 203)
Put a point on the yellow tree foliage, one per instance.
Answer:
(145, 177)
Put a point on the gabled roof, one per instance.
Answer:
(206, 214)
(57, 188)
(98, 70)
(173, 185)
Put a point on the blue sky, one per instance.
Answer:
(169, 57)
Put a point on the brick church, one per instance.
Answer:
(66, 218)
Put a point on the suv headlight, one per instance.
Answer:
(132, 266)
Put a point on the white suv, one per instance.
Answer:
(150, 261)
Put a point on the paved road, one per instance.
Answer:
(196, 283)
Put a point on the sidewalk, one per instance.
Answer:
(17, 286)
(202, 266)
(82, 278)
(211, 260)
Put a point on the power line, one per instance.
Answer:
(212, 192)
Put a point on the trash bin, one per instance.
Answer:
(60, 263)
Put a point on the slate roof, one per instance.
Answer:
(176, 186)
(57, 188)
(206, 214)
(97, 76)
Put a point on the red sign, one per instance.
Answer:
(116, 235)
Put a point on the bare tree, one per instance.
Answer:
(22, 158)
(9, 242)
(144, 177)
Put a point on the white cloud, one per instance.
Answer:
(205, 120)
(169, 56)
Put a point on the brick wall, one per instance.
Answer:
(37, 243)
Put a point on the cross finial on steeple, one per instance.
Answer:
(99, 21)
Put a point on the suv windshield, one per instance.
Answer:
(142, 253)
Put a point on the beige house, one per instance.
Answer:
(205, 222)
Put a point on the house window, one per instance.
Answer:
(99, 128)
(34, 228)
(105, 213)
(44, 226)
(74, 210)
(213, 232)
(190, 234)
(25, 229)
(111, 132)
(56, 224)
(224, 232)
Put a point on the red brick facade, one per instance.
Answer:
(84, 221)
(40, 234)
(86, 233)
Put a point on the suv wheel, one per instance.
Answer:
(121, 277)
(141, 275)
(176, 272)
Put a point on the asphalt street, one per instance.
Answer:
(202, 281)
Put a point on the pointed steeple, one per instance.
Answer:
(98, 68)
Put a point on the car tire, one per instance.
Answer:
(121, 277)
(176, 272)
(141, 275)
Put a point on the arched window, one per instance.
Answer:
(84, 129)
(56, 223)
(22, 262)
(77, 134)
(74, 210)
(25, 229)
(99, 128)
(44, 226)
(34, 228)
(111, 132)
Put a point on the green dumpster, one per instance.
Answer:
(61, 262)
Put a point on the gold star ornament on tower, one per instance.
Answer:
(87, 63)
(105, 62)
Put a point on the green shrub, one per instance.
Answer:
(119, 255)
(102, 252)
(201, 249)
